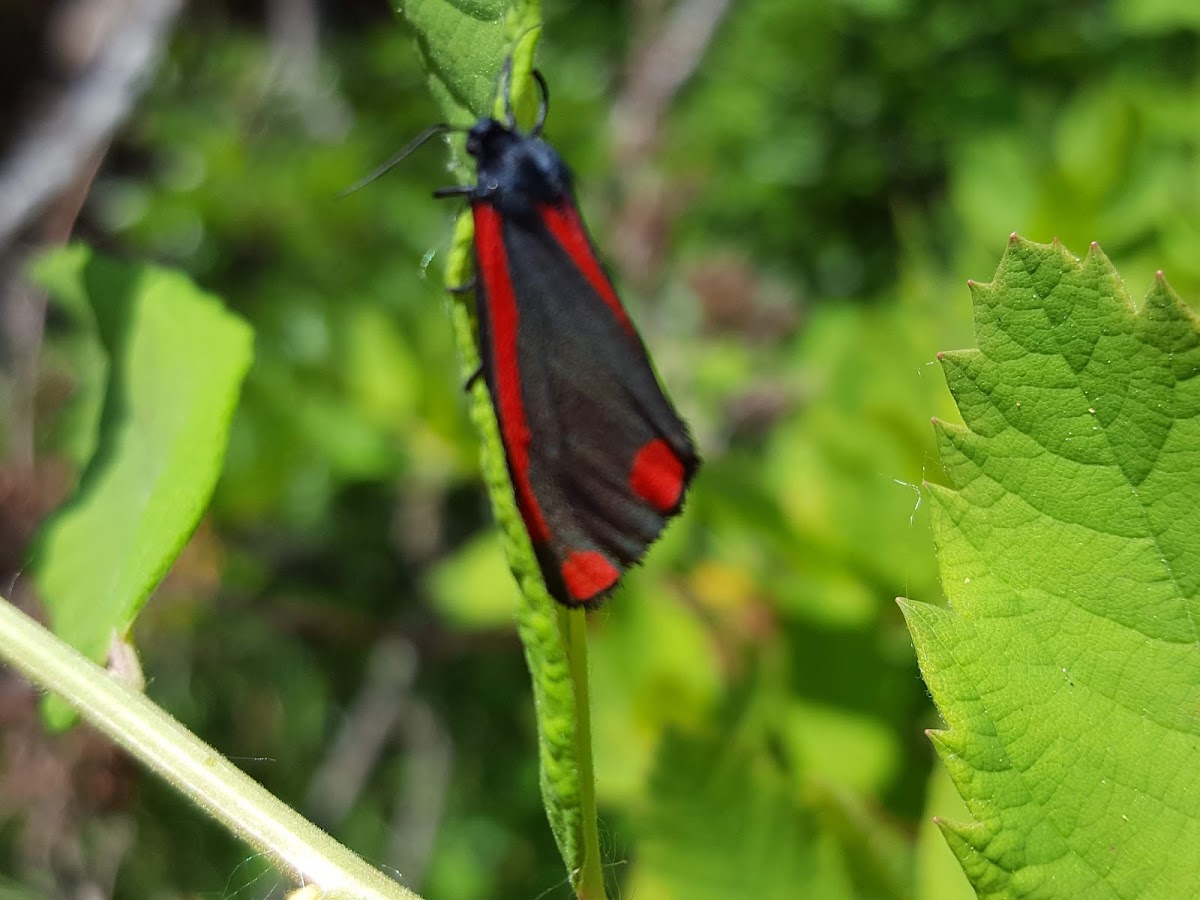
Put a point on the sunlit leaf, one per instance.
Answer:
(1067, 669)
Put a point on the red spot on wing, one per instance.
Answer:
(503, 318)
(586, 573)
(562, 220)
(657, 475)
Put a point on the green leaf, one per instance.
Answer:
(1067, 668)
(176, 362)
(463, 44)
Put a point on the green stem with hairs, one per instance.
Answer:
(149, 733)
(590, 883)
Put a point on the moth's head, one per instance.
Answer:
(487, 137)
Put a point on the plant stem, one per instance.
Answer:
(590, 885)
(292, 843)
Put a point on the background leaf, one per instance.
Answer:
(176, 362)
(1069, 544)
(723, 821)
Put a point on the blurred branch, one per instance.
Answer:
(660, 69)
(384, 709)
(417, 812)
(294, 27)
(49, 170)
(295, 31)
(363, 732)
(48, 158)
(656, 73)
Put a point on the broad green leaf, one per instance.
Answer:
(176, 362)
(1067, 668)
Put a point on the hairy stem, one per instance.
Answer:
(292, 843)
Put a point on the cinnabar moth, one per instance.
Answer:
(599, 458)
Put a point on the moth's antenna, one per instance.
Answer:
(506, 81)
(545, 104)
(424, 137)
(510, 120)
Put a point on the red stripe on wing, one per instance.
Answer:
(657, 475)
(562, 220)
(503, 318)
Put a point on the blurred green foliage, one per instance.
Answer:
(816, 195)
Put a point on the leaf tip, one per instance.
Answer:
(947, 745)
(1096, 253)
(938, 736)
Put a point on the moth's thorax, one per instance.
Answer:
(515, 171)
